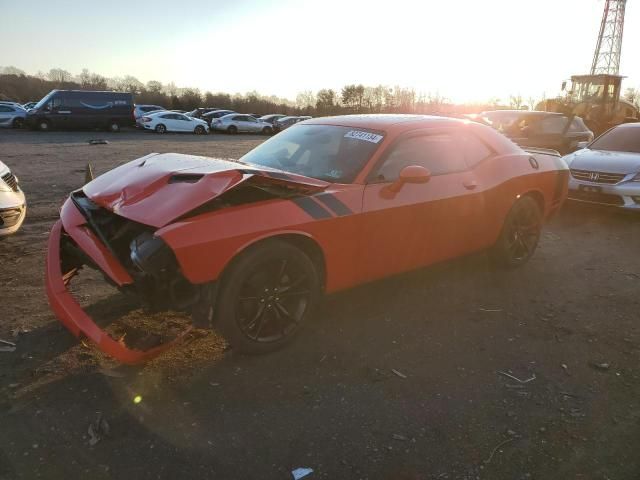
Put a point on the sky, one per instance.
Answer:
(464, 50)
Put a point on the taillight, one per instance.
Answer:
(146, 119)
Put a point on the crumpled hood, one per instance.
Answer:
(603, 161)
(159, 188)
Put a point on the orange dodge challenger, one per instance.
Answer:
(248, 246)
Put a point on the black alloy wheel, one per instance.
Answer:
(520, 234)
(266, 297)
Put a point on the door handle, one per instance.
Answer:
(470, 184)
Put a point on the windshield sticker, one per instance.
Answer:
(366, 136)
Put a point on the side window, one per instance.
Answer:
(168, 116)
(56, 103)
(555, 124)
(4, 108)
(181, 117)
(438, 153)
(475, 151)
(576, 126)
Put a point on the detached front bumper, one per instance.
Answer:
(65, 306)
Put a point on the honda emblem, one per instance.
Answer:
(594, 176)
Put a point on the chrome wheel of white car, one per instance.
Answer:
(161, 128)
(199, 130)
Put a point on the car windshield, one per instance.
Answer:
(44, 100)
(620, 139)
(326, 152)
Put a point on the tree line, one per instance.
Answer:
(16, 85)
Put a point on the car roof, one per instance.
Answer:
(385, 121)
(525, 112)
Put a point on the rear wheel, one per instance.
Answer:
(266, 296)
(199, 130)
(18, 122)
(113, 126)
(520, 234)
(232, 129)
(267, 131)
(160, 128)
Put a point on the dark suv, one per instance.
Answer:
(539, 129)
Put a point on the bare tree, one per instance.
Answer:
(515, 101)
(59, 75)
(11, 70)
(305, 100)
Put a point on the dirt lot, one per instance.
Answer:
(332, 401)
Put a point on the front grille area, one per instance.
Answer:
(9, 217)
(597, 177)
(596, 197)
(11, 180)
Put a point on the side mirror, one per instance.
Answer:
(409, 174)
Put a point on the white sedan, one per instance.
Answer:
(607, 171)
(236, 122)
(162, 122)
(13, 207)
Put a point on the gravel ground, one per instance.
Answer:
(401, 379)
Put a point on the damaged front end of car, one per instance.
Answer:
(130, 257)
(115, 228)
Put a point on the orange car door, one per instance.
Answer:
(421, 223)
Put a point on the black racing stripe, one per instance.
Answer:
(312, 208)
(332, 202)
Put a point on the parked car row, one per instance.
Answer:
(68, 109)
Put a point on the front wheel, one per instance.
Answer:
(232, 129)
(161, 128)
(44, 125)
(199, 130)
(18, 122)
(266, 297)
(267, 131)
(520, 234)
(113, 126)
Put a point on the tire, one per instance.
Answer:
(266, 296)
(519, 236)
(113, 126)
(18, 122)
(232, 129)
(160, 128)
(267, 131)
(199, 130)
(44, 125)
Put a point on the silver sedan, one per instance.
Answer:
(607, 171)
(12, 115)
(236, 122)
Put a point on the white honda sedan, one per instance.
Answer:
(236, 122)
(162, 122)
(607, 171)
